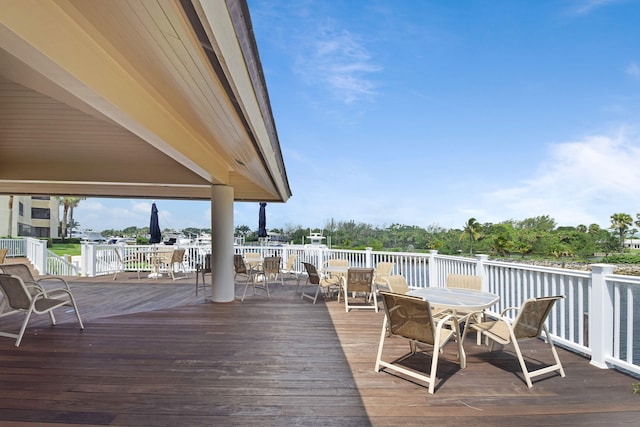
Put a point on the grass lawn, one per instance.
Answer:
(65, 249)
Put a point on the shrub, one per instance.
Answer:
(623, 259)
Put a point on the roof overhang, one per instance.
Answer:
(135, 98)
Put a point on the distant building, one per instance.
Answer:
(31, 216)
(632, 243)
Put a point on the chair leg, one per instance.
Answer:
(346, 300)
(434, 366)
(555, 355)
(523, 365)
(52, 317)
(75, 310)
(23, 327)
(383, 335)
(246, 285)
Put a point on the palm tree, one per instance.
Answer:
(621, 222)
(10, 215)
(68, 203)
(471, 229)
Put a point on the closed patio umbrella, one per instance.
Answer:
(154, 226)
(262, 220)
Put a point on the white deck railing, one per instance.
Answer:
(599, 317)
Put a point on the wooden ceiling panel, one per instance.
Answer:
(109, 92)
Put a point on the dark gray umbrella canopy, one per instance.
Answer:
(262, 220)
(154, 226)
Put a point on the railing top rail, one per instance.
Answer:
(632, 280)
(457, 258)
(539, 268)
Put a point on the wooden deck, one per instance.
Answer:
(153, 354)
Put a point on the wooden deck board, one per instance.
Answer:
(153, 354)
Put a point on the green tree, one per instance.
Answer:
(10, 215)
(471, 230)
(242, 230)
(501, 239)
(68, 203)
(620, 223)
(542, 223)
(524, 241)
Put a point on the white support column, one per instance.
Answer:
(222, 287)
(601, 315)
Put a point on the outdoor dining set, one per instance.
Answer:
(425, 317)
(431, 316)
(435, 315)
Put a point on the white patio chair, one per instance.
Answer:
(32, 299)
(410, 318)
(359, 280)
(326, 284)
(528, 324)
(466, 281)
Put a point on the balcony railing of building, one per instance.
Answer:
(599, 318)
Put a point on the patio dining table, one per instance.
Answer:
(337, 270)
(456, 299)
(459, 301)
(157, 257)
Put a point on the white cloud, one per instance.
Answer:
(584, 7)
(583, 181)
(340, 61)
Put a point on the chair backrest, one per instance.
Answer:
(238, 264)
(384, 268)
(532, 315)
(15, 292)
(338, 263)
(252, 254)
(409, 317)
(397, 284)
(271, 265)
(177, 255)
(312, 272)
(21, 270)
(291, 262)
(3, 254)
(359, 279)
(464, 281)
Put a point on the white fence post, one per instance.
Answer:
(601, 315)
(433, 268)
(41, 257)
(89, 254)
(367, 257)
(480, 270)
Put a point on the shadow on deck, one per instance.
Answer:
(153, 354)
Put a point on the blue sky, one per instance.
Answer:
(432, 112)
